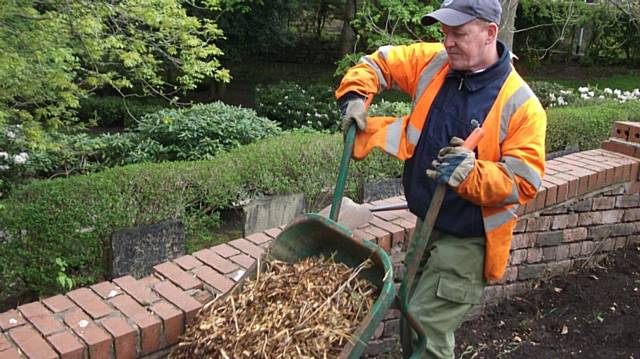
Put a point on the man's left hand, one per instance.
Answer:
(453, 165)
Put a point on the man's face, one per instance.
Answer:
(466, 45)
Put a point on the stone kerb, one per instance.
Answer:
(589, 205)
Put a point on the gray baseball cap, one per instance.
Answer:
(459, 12)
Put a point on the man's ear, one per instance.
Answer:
(492, 31)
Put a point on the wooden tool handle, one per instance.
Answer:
(472, 141)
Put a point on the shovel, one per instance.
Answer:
(354, 215)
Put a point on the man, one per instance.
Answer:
(466, 81)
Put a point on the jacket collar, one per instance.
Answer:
(478, 80)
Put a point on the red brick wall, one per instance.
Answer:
(589, 205)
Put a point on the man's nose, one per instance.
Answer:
(448, 41)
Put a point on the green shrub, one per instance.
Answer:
(111, 111)
(587, 126)
(295, 106)
(387, 108)
(196, 132)
(71, 219)
(201, 131)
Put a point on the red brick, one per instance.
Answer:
(600, 203)
(172, 272)
(572, 189)
(243, 260)
(58, 303)
(138, 289)
(518, 256)
(215, 261)
(273, 232)
(172, 321)
(41, 318)
(98, 341)
(90, 302)
(148, 282)
(575, 234)
(362, 235)
(150, 326)
(628, 201)
(187, 262)
(4, 343)
(225, 250)
(521, 226)
(11, 353)
(631, 214)
(562, 187)
(10, 319)
(247, 247)
(31, 343)
(178, 298)
(534, 255)
(564, 221)
(124, 335)
(67, 345)
(214, 279)
(552, 193)
(397, 233)
(539, 224)
(540, 199)
(523, 240)
(106, 290)
(377, 232)
(259, 238)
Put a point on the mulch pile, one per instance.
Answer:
(304, 310)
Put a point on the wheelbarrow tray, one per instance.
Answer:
(312, 235)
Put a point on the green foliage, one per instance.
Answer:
(387, 108)
(552, 28)
(196, 132)
(587, 126)
(56, 52)
(110, 111)
(294, 106)
(72, 219)
(389, 22)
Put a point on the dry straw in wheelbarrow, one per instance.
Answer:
(307, 309)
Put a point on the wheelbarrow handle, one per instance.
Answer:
(344, 166)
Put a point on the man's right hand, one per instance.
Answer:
(355, 110)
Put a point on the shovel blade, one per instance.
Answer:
(352, 215)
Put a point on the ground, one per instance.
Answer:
(588, 313)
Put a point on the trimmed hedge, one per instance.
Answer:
(72, 218)
(586, 127)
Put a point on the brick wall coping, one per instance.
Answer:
(136, 317)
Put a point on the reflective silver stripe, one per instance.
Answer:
(374, 66)
(427, 75)
(384, 51)
(520, 168)
(514, 102)
(413, 135)
(496, 220)
(394, 133)
(515, 195)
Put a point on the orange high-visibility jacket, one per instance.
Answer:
(510, 163)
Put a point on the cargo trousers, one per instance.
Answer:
(447, 285)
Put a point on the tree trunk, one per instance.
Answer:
(348, 35)
(507, 23)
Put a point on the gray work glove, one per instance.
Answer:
(454, 163)
(355, 111)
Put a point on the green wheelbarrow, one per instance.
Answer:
(313, 235)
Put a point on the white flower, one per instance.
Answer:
(636, 92)
(584, 96)
(601, 97)
(20, 158)
(11, 134)
(591, 94)
(583, 89)
(566, 92)
(4, 155)
(552, 97)
(617, 92)
(608, 91)
(3, 168)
